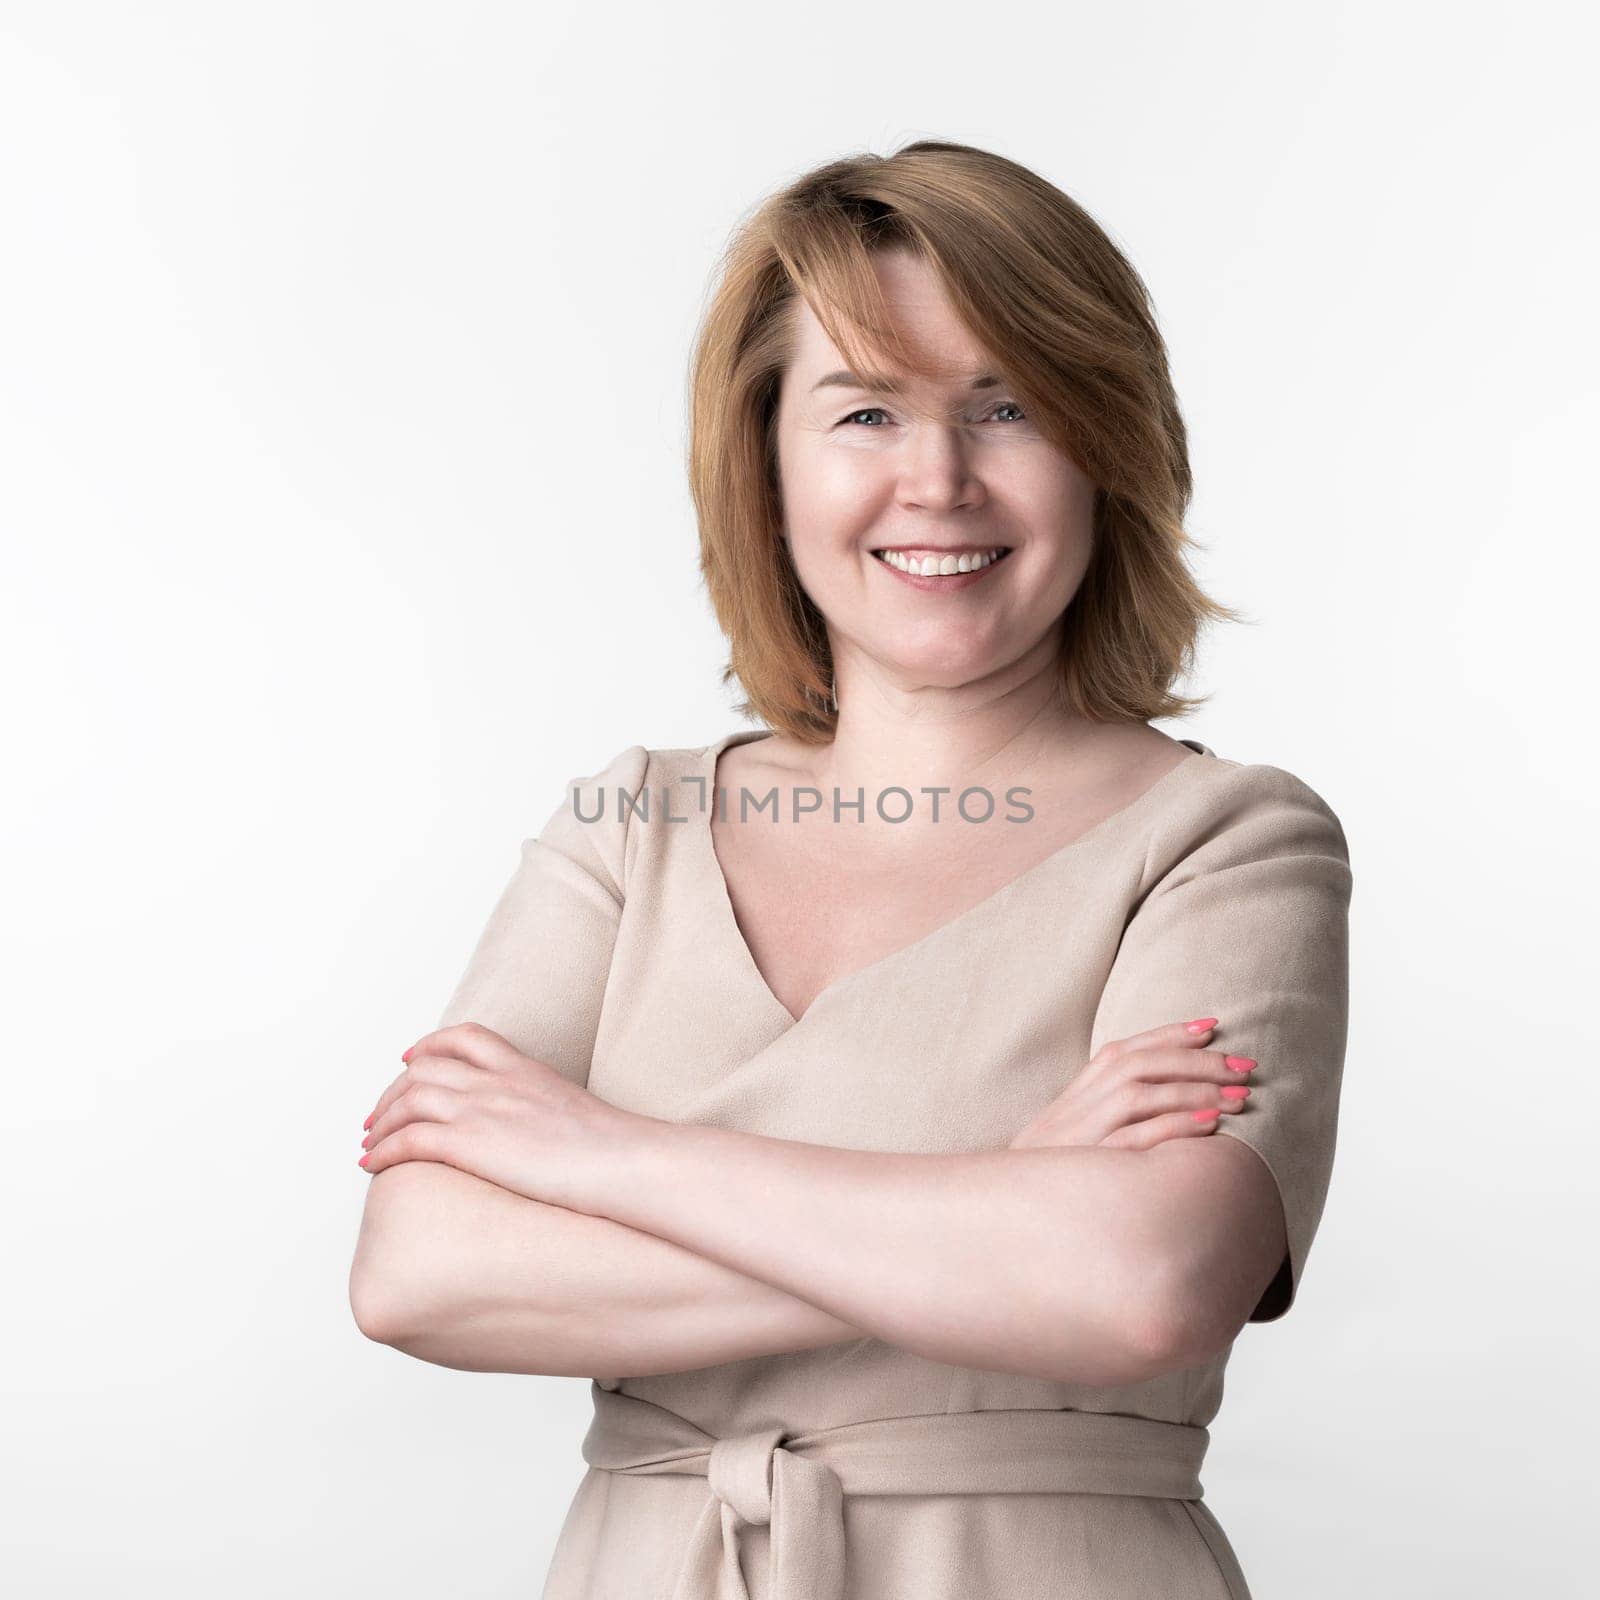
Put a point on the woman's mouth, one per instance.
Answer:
(925, 567)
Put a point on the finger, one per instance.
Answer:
(1127, 1102)
(390, 1095)
(449, 1070)
(417, 1141)
(1171, 1061)
(1141, 1101)
(1157, 1130)
(421, 1102)
(466, 1041)
(385, 1099)
(1197, 1032)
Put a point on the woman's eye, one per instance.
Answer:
(878, 411)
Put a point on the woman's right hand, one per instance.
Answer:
(1138, 1092)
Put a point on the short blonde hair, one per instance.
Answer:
(1053, 300)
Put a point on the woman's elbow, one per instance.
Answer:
(378, 1301)
(1214, 1233)
(1190, 1329)
(383, 1284)
(368, 1308)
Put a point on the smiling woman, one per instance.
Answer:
(878, 1150)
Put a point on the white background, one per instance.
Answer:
(343, 354)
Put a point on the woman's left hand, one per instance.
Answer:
(471, 1100)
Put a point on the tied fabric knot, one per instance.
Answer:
(755, 1481)
(740, 1473)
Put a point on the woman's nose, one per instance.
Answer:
(936, 469)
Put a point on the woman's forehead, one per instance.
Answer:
(959, 367)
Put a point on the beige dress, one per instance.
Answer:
(859, 1470)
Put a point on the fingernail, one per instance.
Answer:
(1240, 1063)
(366, 1144)
(405, 1055)
(367, 1123)
(362, 1162)
(1200, 1024)
(1234, 1091)
(1207, 1114)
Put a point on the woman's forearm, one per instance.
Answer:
(461, 1273)
(1053, 1262)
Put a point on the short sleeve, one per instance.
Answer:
(1246, 920)
(538, 973)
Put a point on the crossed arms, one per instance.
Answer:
(1134, 1263)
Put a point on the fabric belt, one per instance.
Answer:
(795, 1483)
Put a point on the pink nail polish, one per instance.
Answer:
(362, 1162)
(367, 1124)
(1200, 1024)
(1207, 1114)
(1240, 1063)
(405, 1055)
(1234, 1091)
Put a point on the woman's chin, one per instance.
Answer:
(910, 671)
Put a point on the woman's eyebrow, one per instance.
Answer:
(848, 380)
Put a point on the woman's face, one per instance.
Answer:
(938, 470)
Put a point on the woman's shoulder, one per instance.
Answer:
(665, 769)
(1232, 781)
(623, 772)
(609, 801)
(1234, 810)
(611, 814)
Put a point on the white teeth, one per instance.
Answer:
(930, 566)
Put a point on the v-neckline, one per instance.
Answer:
(874, 968)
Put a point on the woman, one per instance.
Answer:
(873, 1136)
